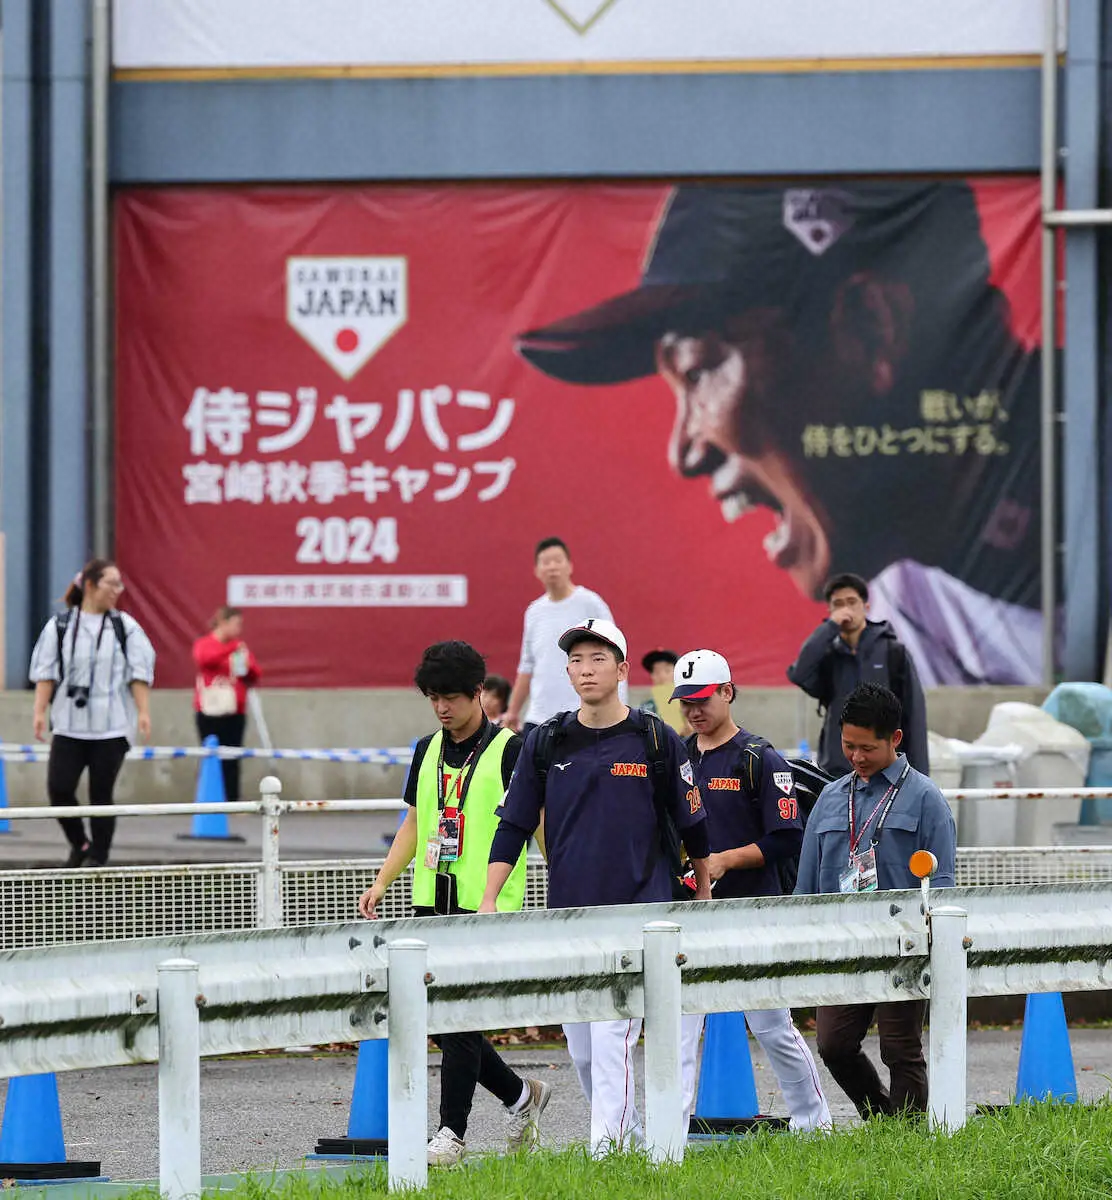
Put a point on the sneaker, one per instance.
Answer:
(93, 859)
(77, 855)
(524, 1133)
(445, 1149)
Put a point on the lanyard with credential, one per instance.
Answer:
(463, 779)
(886, 801)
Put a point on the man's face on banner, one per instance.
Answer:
(730, 428)
(744, 393)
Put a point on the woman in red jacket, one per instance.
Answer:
(226, 668)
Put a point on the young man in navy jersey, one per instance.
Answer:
(594, 816)
(752, 823)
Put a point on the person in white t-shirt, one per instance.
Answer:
(92, 668)
(542, 676)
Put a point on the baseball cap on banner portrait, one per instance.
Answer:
(698, 673)
(597, 628)
(721, 248)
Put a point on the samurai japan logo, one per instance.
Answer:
(817, 218)
(347, 309)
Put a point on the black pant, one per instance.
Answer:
(229, 732)
(68, 758)
(841, 1029)
(469, 1059)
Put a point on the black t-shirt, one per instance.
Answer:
(455, 755)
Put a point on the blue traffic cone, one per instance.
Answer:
(1045, 1058)
(211, 826)
(726, 1101)
(5, 824)
(367, 1123)
(31, 1142)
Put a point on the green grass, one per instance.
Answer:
(1032, 1152)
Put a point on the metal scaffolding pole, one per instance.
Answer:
(1049, 405)
(100, 422)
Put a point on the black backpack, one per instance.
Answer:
(809, 779)
(61, 624)
(653, 731)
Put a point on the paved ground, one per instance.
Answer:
(262, 1112)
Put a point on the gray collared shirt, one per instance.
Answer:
(110, 710)
(919, 819)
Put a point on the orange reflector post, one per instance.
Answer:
(923, 864)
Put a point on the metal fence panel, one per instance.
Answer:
(51, 908)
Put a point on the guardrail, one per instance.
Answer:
(58, 906)
(175, 1000)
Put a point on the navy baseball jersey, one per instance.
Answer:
(601, 832)
(738, 817)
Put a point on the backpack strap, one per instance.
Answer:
(654, 750)
(897, 667)
(549, 734)
(120, 630)
(61, 623)
(754, 764)
(653, 732)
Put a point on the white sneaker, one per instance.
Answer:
(523, 1132)
(445, 1149)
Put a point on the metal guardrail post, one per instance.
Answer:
(664, 1133)
(179, 1080)
(408, 1062)
(949, 987)
(270, 880)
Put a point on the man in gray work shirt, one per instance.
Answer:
(860, 837)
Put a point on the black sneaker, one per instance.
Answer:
(93, 859)
(77, 855)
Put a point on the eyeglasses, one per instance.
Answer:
(117, 585)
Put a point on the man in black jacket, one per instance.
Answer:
(848, 649)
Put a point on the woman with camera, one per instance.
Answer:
(92, 668)
(226, 668)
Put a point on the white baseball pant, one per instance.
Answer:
(788, 1055)
(602, 1052)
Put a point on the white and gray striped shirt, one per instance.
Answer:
(110, 711)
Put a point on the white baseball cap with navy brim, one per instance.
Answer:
(698, 674)
(597, 628)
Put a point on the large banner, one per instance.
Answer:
(282, 35)
(353, 411)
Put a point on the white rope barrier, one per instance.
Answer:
(391, 756)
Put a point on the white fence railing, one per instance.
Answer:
(58, 907)
(175, 1000)
(390, 756)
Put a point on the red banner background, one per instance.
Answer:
(202, 304)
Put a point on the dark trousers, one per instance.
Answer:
(229, 732)
(841, 1030)
(469, 1059)
(68, 758)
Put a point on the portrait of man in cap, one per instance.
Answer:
(839, 355)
